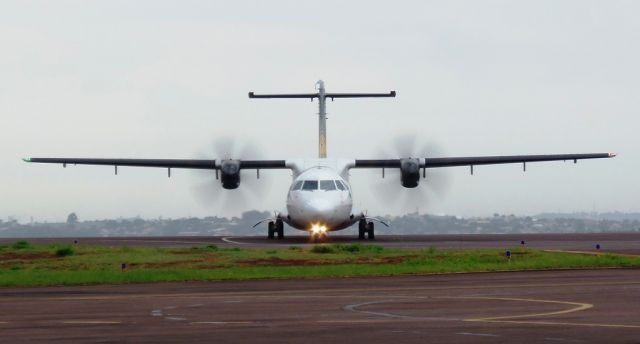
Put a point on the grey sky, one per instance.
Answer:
(152, 79)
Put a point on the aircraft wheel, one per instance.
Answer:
(272, 229)
(279, 228)
(370, 231)
(362, 228)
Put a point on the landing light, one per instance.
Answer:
(318, 230)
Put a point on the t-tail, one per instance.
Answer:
(322, 96)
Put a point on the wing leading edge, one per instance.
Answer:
(480, 160)
(164, 163)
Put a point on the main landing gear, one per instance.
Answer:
(365, 227)
(276, 227)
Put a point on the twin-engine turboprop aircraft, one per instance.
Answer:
(320, 197)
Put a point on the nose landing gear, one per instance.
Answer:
(274, 228)
(365, 227)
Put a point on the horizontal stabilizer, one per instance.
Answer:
(326, 95)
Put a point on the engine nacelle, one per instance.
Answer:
(409, 172)
(230, 174)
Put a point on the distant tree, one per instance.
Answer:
(72, 218)
(255, 215)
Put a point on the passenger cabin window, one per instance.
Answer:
(339, 185)
(327, 185)
(297, 186)
(310, 185)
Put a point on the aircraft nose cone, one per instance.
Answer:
(320, 205)
(319, 209)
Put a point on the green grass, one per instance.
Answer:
(19, 245)
(64, 251)
(24, 264)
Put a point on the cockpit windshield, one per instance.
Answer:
(324, 185)
(297, 186)
(327, 185)
(310, 185)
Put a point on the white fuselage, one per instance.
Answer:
(320, 195)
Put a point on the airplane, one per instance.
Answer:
(320, 198)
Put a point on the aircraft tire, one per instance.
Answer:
(370, 231)
(271, 228)
(279, 228)
(362, 229)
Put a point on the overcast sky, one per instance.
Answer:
(157, 79)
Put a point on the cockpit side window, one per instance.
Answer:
(297, 186)
(327, 185)
(339, 185)
(310, 185)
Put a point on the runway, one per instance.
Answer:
(572, 306)
(627, 243)
(575, 306)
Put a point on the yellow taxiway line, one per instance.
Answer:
(557, 323)
(576, 307)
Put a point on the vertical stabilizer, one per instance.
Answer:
(322, 117)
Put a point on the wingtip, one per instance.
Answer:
(26, 159)
(612, 155)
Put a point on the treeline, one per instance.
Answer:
(243, 225)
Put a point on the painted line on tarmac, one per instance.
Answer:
(315, 292)
(157, 241)
(354, 308)
(228, 240)
(271, 244)
(478, 334)
(221, 322)
(557, 323)
(350, 321)
(509, 319)
(577, 307)
(91, 322)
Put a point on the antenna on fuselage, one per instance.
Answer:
(322, 107)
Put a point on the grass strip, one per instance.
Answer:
(61, 264)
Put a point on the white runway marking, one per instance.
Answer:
(558, 339)
(222, 322)
(354, 308)
(477, 334)
(176, 318)
(158, 241)
(91, 322)
(227, 239)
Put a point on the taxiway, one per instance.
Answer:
(574, 306)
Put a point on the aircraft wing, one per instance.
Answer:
(164, 163)
(480, 160)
